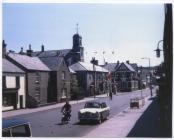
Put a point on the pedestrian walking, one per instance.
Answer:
(151, 87)
(110, 95)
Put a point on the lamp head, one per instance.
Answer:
(157, 52)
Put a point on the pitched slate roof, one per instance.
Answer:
(128, 66)
(111, 66)
(71, 70)
(82, 66)
(53, 63)
(51, 53)
(134, 66)
(30, 63)
(7, 66)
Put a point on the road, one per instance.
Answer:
(47, 123)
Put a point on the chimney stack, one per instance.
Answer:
(127, 61)
(21, 52)
(3, 49)
(94, 61)
(42, 48)
(30, 51)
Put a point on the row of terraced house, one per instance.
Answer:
(37, 78)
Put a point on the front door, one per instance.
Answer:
(14, 100)
(21, 101)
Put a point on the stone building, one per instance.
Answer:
(124, 74)
(90, 77)
(71, 56)
(37, 76)
(59, 78)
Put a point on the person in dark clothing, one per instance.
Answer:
(66, 111)
(110, 95)
(66, 107)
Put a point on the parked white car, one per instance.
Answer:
(94, 111)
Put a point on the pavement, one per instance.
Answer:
(129, 123)
(148, 125)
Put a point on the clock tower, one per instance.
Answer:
(77, 49)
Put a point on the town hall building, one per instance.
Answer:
(71, 56)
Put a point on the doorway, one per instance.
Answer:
(21, 101)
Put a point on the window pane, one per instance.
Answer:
(63, 75)
(6, 133)
(64, 93)
(4, 81)
(21, 131)
(7, 100)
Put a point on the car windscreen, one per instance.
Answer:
(21, 131)
(92, 105)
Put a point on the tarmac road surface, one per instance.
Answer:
(47, 123)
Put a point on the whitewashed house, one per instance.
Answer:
(13, 86)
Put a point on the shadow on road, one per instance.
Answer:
(61, 123)
(86, 123)
(58, 124)
(148, 125)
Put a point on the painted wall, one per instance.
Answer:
(22, 91)
(11, 83)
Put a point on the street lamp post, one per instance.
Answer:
(158, 50)
(94, 75)
(140, 73)
(94, 80)
(149, 74)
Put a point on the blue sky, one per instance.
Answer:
(132, 31)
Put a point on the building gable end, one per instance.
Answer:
(122, 67)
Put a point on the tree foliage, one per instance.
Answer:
(76, 91)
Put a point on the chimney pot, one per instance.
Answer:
(21, 52)
(30, 51)
(42, 48)
(3, 43)
(29, 46)
(4, 48)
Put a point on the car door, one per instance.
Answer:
(105, 111)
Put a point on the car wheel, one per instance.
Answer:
(100, 121)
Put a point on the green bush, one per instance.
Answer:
(77, 93)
